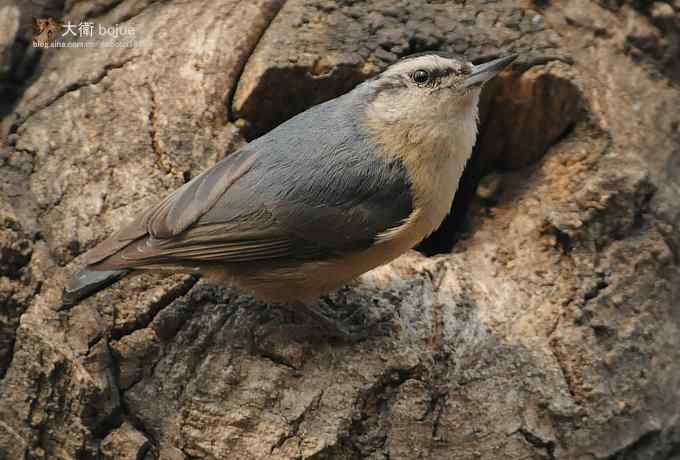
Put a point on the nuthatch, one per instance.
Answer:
(337, 190)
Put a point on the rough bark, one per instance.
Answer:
(552, 331)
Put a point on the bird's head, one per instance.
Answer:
(429, 95)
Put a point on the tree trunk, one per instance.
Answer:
(550, 331)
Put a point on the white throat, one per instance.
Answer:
(434, 148)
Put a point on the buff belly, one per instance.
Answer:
(300, 283)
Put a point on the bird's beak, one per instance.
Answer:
(483, 72)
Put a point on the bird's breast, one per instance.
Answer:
(434, 183)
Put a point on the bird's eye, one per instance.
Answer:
(421, 76)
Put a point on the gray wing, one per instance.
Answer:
(179, 210)
(295, 194)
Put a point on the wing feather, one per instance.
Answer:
(179, 210)
(294, 194)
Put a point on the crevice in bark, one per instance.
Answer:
(138, 424)
(14, 258)
(100, 428)
(23, 118)
(562, 241)
(153, 131)
(239, 73)
(370, 427)
(644, 442)
(294, 425)
(166, 299)
(123, 414)
(276, 360)
(11, 93)
(599, 286)
(538, 443)
(436, 409)
(564, 370)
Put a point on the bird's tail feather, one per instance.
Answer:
(86, 282)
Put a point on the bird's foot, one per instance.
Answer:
(354, 328)
(323, 320)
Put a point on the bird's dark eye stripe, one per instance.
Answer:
(436, 73)
(442, 72)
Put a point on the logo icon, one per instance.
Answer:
(45, 30)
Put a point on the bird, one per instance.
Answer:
(333, 192)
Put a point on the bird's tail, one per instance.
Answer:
(86, 282)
